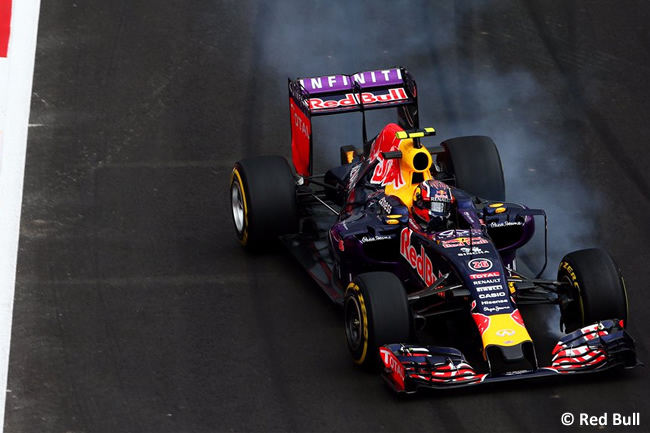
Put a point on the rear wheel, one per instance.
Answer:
(376, 312)
(592, 290)
(475, 164)
(263, 200)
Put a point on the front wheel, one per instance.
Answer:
(592, 289)
(376, 312)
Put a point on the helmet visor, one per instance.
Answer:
(439, 208)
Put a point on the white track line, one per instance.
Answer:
(16, 75)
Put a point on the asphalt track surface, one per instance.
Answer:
(137, 311)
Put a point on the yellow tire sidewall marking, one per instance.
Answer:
(364, 320)
(237, 176)
(574, 279)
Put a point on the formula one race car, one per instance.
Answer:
(402, 235)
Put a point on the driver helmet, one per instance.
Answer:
(432, 201)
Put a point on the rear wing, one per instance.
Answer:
(333, 94)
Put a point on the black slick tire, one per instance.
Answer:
(263, 200)
(376, 312)
(593, 289)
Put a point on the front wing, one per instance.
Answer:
(593, 348)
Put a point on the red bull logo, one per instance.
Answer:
(366, 98)
(387, 171)
(418, 261)
(441, 195)
(482, 322)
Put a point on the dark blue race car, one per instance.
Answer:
(411, 238)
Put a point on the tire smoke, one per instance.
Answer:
(463, 87)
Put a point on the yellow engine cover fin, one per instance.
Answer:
(415, 133)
